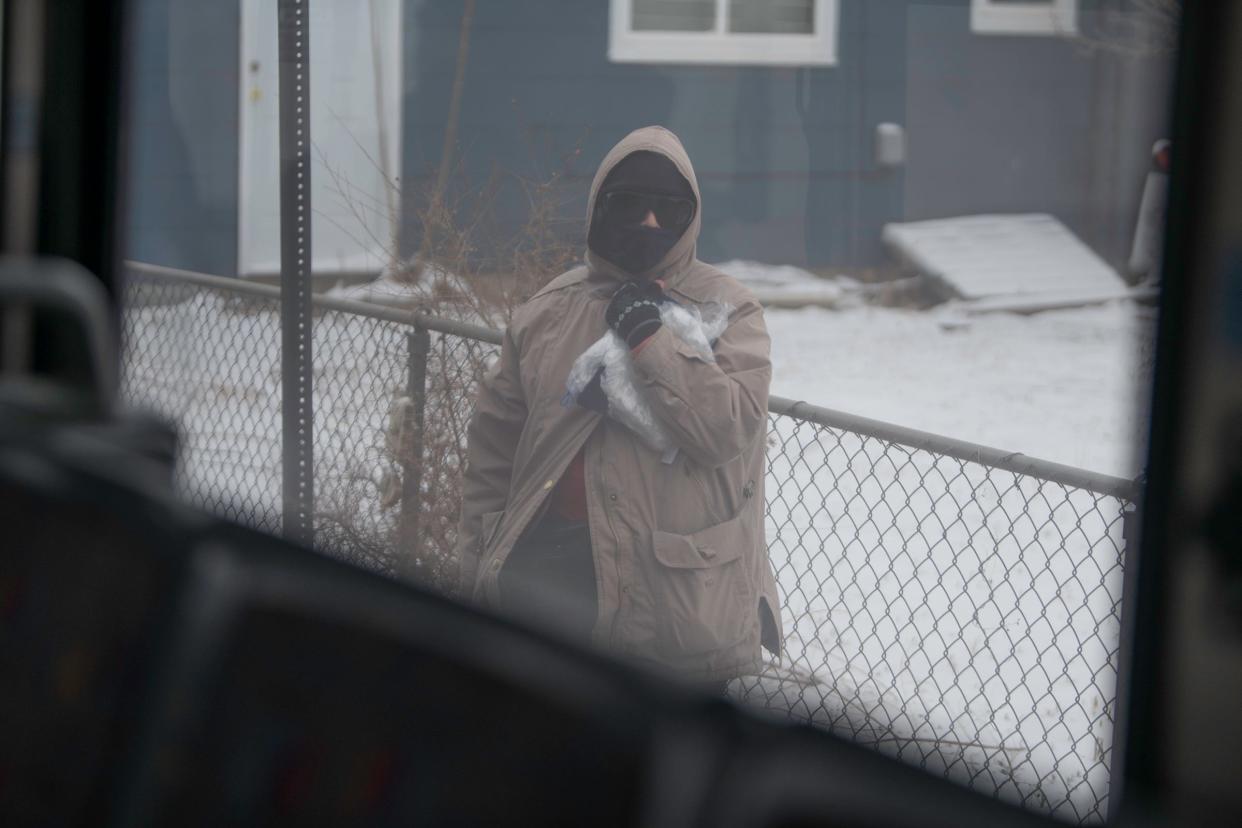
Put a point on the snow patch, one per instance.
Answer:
(786, 284)
(398, 287)
(1067, 385)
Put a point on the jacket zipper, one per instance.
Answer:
(612, 530)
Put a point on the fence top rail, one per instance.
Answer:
(401, 316)
(1010, 461)
(1014, 462)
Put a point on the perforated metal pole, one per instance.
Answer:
(1118, 770)
(418, 346)
(295, 270)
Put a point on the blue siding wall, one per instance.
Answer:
(1015, 124)
(776, 149)
(784, 156)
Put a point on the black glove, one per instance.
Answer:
(634, 311)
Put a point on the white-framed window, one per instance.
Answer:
(767, 32)
(1024, 17)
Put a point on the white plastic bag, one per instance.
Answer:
(626, 404)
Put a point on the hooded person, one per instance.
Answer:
(570, 516)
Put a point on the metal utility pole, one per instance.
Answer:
(295, 271)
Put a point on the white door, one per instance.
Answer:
(355, 65)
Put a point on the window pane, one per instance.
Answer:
(772, 16)
(674, 15)
(934, 244)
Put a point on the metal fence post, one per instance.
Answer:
(418, 347)
(1117, 770)
(296, 365)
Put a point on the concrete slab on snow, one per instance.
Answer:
(987, 256)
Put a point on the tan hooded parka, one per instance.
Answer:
(681, 564)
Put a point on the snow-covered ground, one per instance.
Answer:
(1066, 385)
(962, 618)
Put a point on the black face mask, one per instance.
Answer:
(627, 243)
(634, 248)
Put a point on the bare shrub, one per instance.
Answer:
(537, 253)
(465, 269)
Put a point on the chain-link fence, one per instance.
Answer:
(948, 604)
(958, 614)
(208, 358)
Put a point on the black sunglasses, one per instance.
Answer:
(629, 207)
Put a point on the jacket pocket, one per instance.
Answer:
(701, 589)
(684, 498)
